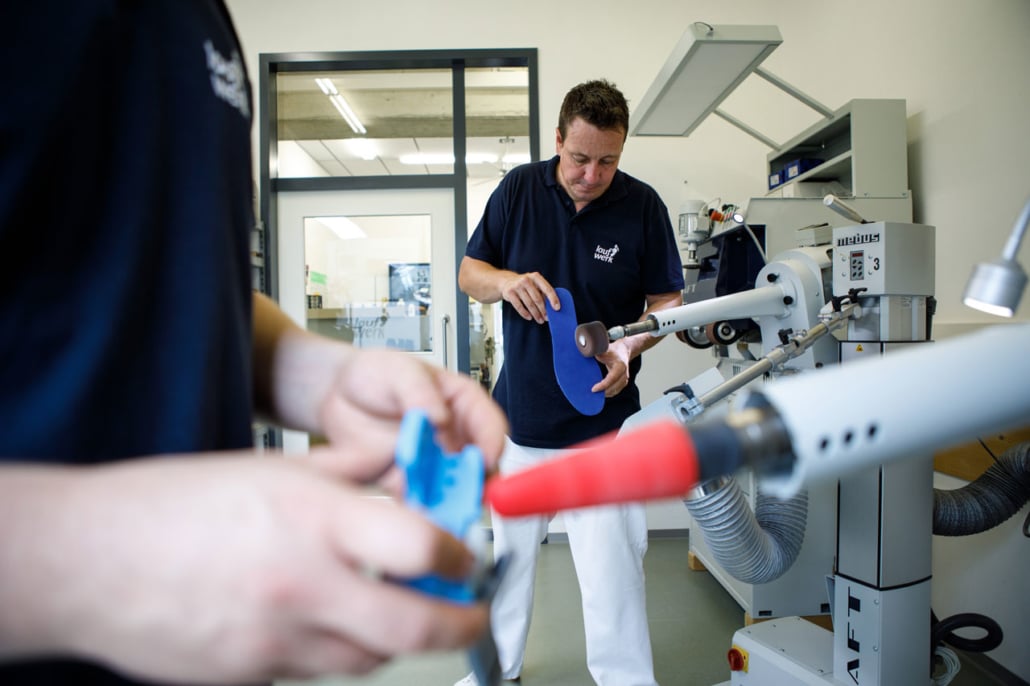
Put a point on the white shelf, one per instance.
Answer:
(864, 146)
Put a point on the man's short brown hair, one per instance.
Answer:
(599, 103)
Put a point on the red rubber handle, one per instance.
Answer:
(653, 462)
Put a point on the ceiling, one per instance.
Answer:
(404, 112)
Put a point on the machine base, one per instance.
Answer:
(788, 651)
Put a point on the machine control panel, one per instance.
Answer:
(885, 258)
(857, 265)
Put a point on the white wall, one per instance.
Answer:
(961, 67)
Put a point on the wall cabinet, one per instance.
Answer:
(863, 148)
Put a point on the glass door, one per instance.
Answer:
(374, 268)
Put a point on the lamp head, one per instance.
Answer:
(995, 287)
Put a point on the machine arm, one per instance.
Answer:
(793, 345)
(593, 338)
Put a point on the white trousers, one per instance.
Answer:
(608, 545)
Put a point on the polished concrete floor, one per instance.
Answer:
(692, 620)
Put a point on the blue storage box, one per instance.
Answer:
(800, 166)
(775, 179)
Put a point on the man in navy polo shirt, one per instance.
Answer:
(575, 222)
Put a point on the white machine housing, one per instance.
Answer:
(893, 262)
(788, 295)
(806, 270)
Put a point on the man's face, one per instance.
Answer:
(588, 158)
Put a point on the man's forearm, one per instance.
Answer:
(293, 368)
(482, 281)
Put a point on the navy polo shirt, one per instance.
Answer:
(125, 218)
(610, 256)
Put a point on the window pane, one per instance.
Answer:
(368, 280)
(365, 123)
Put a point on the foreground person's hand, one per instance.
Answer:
(219, 570)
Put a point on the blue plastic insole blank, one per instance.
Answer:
(576, 374)
(446, 487)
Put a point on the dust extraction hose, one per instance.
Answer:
(999, 493)
(760, 547)
(754, 547)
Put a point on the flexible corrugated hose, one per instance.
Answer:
(758, 547)
(755, 548)
(999, 493)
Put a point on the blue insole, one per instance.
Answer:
(576, 374)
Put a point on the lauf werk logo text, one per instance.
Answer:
(606, 254)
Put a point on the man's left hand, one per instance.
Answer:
(616, 361)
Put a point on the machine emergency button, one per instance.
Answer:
(737, 657)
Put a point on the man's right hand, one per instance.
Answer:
(529, 293)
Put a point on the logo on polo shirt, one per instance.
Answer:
(606, 254)
(227, 78)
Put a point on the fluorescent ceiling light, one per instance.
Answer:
(341, 105)
(342, 227)
(707, 64)
(347, 113)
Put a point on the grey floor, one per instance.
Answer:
(692, 620)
